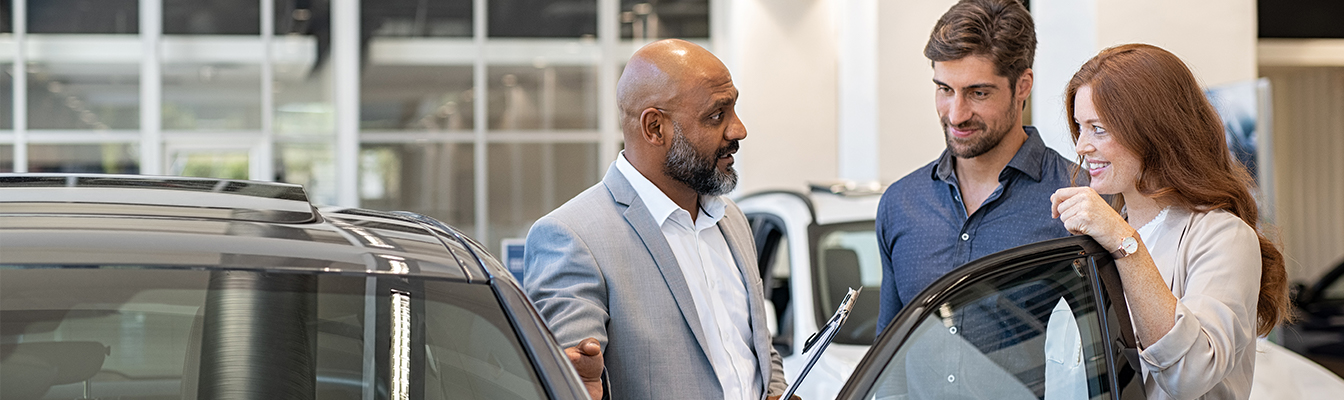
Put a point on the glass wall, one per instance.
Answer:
(485, 114)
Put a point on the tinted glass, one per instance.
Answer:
(644, 19)
(548, 97)
(83, 96)
(211, 96)
(434, 179)
(212, 17)
(311, 163)
(6, 158)
(1028, 334)
(528, 180)
(7, 96)
(417, 18)
(542, 18)
(153, 333)
(847, 257)
(83, 16)
(107, 158)
(417, 98)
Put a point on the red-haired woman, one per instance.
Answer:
(1201, 282)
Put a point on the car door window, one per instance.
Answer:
(848, 257)
(772, 255)
(182, 332)
(1029, 333)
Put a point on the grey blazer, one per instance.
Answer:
(599, 266)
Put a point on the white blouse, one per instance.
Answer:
(1211, 262)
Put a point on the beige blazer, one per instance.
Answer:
(1211, 262)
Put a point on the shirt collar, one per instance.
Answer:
(661, 206)
(1028, 159)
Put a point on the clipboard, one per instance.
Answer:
(816, 344)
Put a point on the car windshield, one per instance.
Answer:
(847, 257)
(134, 332)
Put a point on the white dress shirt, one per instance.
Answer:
(716, 283)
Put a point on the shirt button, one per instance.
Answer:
(951, 379)
(965, 236)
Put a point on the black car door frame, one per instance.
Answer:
(1090, 260)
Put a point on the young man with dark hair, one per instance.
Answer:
(985, 192)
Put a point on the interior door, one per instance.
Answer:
(1041, 321)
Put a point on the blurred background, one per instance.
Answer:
(487, 114)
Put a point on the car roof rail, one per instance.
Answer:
(155, 196)
(848, 187)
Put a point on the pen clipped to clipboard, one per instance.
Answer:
(816, 344)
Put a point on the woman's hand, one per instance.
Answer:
(1083, 212)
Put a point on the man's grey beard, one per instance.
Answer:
(698, 172)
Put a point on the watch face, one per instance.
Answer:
(1130, 245)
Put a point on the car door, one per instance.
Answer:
(1041, 321)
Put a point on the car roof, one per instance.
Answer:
(87, 219)
(834, 202)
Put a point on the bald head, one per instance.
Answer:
(659, 73)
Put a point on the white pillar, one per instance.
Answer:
(910, 135)
(782, 55)
(857, 106)
(151, 88)
(1215, 38)
(1066, 36)
(345, 64)
(20, 79)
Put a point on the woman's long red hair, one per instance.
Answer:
(1153, 106)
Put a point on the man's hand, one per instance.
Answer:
(587, 360)
(795, 397)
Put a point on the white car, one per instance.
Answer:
(814, 245)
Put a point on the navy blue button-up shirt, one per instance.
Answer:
(923, 230)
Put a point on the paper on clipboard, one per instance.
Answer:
(816, 344)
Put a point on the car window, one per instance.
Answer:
(1032, 333)
(126, 332)
(772, 252)
(1333, 291)
(847, 257)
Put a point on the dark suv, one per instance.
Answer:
(137, 287)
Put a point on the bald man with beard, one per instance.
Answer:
(649, 277)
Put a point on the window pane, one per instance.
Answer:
(107, 158)
(211, 96)
(311, 164)
(6, 158)
(542, 18)
(6, 19)
(646, 19)
(83, 96)
(7, 96)
(83, 16)
(1001, 338)
(418, 98)
(418, 18)
(434, 179)
(212, 17)
(528, 180)
(542, 98)
(209, 163)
